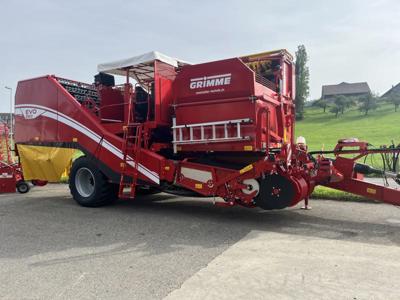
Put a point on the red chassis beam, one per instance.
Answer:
(346, 178)
(369, 190)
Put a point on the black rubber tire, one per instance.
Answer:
(266, 198)
(22, 187)
(104, 192)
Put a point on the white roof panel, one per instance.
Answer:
(141, 66)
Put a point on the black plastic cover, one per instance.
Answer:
(104, 79)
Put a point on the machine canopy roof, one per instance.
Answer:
(141, 67)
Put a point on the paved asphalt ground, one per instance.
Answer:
(182, 248)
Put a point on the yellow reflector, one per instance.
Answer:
(248, 148)
(371, 191)
(198, 186)
(285, 135)
(246, 169)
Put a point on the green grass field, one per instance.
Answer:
(323, 130)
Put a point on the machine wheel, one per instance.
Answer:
(276, 192)
(88, 185)
(23, 187)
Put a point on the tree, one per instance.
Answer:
(336, 110)
(367, 103)
(339, 104)
(394, 99)
(322, 103)
(302, 80)
(347, 102)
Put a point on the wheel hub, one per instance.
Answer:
(85, 182)
(252, 185)
(275, 191)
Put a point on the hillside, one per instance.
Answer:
(320, 129)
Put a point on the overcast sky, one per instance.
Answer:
(348, 41)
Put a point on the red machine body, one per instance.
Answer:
(230, 90)
(223, 128)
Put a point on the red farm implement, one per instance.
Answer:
(217, 129)
(11, 176)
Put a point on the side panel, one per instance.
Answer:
(215, 80)
(164, 78)
(228, 90)
(112, 104)
(33, 127)
(47, 113)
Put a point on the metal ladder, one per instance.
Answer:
(131, 146)
(177, 131)
(130, 166)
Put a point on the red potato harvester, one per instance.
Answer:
(217, 129)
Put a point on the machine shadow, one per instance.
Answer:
(163, 223)
(287, 221)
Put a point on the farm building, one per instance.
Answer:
(395, 90)
(346, 89)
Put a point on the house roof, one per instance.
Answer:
(345, 88)
(394, 90)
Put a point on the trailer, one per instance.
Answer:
(217, 129)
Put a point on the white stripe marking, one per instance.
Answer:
(60, 117)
